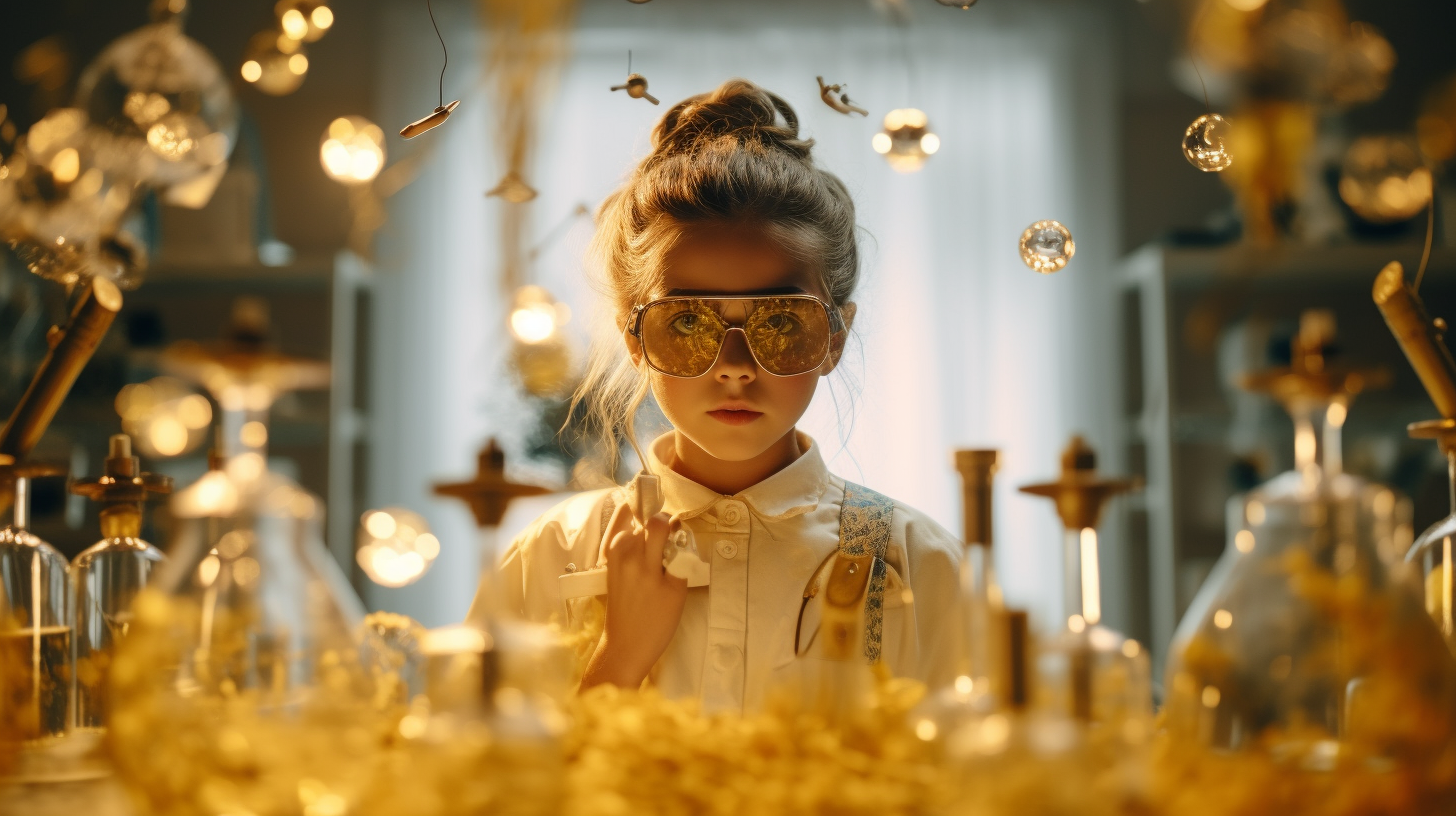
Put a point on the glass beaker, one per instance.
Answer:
(38, 642)
(107, 576)
(1432, 549)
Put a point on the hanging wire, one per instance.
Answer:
(1193, 58)
(1430, 233)
(431, 9)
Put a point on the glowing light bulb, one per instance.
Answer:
(1205, 143)
(1047, 246)
(252, 70)
(352, 150)
(396, 547)
(294, 24)
(537, 316)
(906, 140)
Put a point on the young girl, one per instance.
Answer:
(731, 259)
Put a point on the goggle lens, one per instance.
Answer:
(683, 336)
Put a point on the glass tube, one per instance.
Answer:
(35, 579)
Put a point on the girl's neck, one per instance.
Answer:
(729, 478)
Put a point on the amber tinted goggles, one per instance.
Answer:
(682, 336)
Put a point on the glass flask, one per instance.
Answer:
(978, 686)
(241, 687)
(1087, 671)
(109, 574)
(37, 644)
(1306, 668)
(467, 745)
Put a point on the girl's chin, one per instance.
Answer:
(739, 443)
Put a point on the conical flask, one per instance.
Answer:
(1307, 658)
(979, 685)
(240, 687)
(36, 645)
(107, 576)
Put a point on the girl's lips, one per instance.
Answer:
(729, 416)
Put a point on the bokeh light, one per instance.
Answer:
(1046, 246)
(164, 416)
(906, 140)
(1383, 179)
(396, 547)
(306, 20)
(274, 63)
(352, 150)
(537, 316)
(1205, 143)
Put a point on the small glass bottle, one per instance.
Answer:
(35, 578)
(1093, 674)
(107, 576)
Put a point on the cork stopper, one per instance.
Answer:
(119, 461)
(1080, 493)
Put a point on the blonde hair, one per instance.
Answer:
(733, 155)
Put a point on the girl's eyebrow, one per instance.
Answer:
(777, 290)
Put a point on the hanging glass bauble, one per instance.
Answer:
(1384, 180)
(396, 547)
(307, 20)
(68, 184)
(1046, 246)
(906, 140)
(352, 150)
(275, 63)
(120, 258)
(161, 89)
(1205, 143)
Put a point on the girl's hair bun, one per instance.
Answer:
(738, 110)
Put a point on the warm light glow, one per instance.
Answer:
(298, 64)
(1244, 541)
(1211, 697)
(194, 411)
(926, 730)
(1247, 5)
(1336, 414)
(964, 685)
(164, 416)
(322, 18)
(929, 143)
(168, 436)
(395, 546)
(1255, 513)
(252, 71)
(253, 434)
(1077, 624)
(533, 323)
(380, 524)
(1131, 649)
(208, 569)
(352, 150)
(1223, 619)
(1091, 579)
(294, 24)
(881, 143)
(66, 165)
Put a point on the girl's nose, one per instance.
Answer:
(735, 361)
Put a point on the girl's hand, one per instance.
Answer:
(644, 603)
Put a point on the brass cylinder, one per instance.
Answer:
(1417, 336)
(978, 471)
(71, 349)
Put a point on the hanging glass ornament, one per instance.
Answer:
(906, 140)
(395, 547)
(307, 20)
(1205, 143)
(1384, 180)
(68, 184)
(274, 63)
(166, 94)
(1046, 246)
(1362, 68)
(352, 150)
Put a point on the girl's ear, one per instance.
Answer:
(634, 347)
(836, 342)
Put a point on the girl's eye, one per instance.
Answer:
(781, 323)
(685, 323)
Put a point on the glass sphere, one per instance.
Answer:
(1046, 246)
(396, 547)
(307, 20)
(906, 140)
(164, 92)
(1384, 180)
(274, 63)
(352, 150)
(68, 184)
(1205, 143)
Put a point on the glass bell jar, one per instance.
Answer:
(107, 576)
(1306, 669)
(1088, 671)
(35, 633)
(241, 687)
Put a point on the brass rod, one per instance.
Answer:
(1418, 336)
(978, 470)
(71, 349)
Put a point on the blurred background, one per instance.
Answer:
(445, 277)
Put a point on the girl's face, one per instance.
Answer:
(736, 411)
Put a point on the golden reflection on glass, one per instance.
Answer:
(1205, 143)
(396, 547)
(1384, 180)
(1047, 246)
(274, 63)
(164, 416)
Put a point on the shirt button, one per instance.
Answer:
(727, 549)
(725, 655)
(731, 514)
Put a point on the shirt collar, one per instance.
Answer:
(792, 491)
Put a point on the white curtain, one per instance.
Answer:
(960, 344)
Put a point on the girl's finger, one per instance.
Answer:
(620, 522)
(657, 530)
(625, 547)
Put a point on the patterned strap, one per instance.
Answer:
(864, 529)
